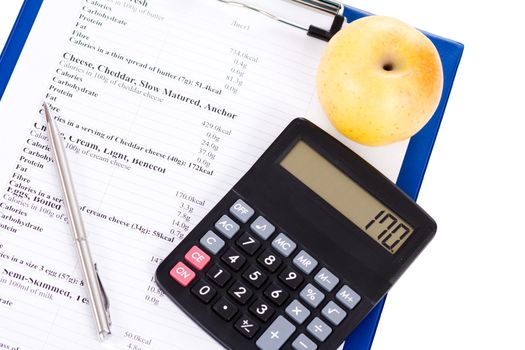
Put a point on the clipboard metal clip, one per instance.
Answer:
(331, 7)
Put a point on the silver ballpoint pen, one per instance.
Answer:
(97, 296)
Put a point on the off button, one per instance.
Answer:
(242, 211)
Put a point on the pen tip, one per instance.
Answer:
(103, 335)
(46, 112)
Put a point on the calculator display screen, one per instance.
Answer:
(379, 222)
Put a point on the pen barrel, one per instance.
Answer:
(95, 293)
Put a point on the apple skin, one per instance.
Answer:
(379, 80)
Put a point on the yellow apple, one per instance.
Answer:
(379, 80)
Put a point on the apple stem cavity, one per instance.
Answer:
(389, 66)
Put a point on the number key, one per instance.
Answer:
(262, 310)
(249, 244)
(218, 275)
(254, 276)
(291, 278)
(269, 260)
(233, 259)
(203, 291)
(276, 294)
(240, 292)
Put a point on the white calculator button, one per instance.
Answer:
(276, 335)
(284, 245)
(319, 329)
(305, 262)
(333, 313)
(302, 342)
(326, 279)
(348, 297)
(211, 242)
(297, 311)
(311, 295)
(242, 211)
(262, 227)
(227, 226)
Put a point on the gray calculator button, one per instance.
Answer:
(333, 313)
(312, 295)
(262, 227)
(348, 297)
(276, 335)
(227, 226)
(302, 342)
(319, 329)
(241, 211)
(211, 242)
(305, 262)
(326, 279)
(284, 245)
(297, 311)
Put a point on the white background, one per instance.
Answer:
(467, 290)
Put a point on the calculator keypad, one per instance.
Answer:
(291, 278)
(297, 311)
(333, 313)
(197, 258)
(218, 275)
(284, 245)
(262, 310)
(305, 262)
(311, 295)
(240, 292)
(225, 309)
(182, 274)
(269, 260)
(277, 294)
(233, 259)
(256, 276)
(326, 279)
(227, 226)
(247, 326)
(242, 211)
(211, 242)
(262, 227)
(319, 329)
(248, 244)
(302, 342)
(204, 291)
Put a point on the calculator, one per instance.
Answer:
(299, 251)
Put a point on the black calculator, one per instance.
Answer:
(299, 251)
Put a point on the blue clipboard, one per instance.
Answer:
(413, 167)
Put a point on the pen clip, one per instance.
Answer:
(104, 297)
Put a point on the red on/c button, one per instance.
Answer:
(182, 274)
(197, 258)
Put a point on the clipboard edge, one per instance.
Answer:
(16, 40)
